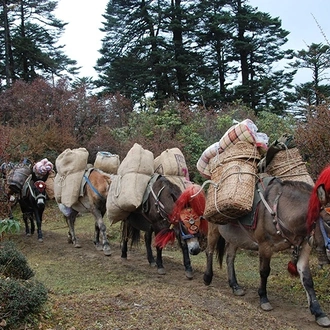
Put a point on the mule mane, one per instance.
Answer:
(314, 203)
(174, 189)
(299, 185)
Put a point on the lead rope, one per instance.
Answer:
(324, 234)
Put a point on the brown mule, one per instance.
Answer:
(93, 201)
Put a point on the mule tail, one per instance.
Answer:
(220, 250)
(129, 232)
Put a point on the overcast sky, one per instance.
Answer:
(83, 38)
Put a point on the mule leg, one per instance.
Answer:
(186, 258)
(159, 261)
(148, 241)
(70, 220)
(101, 230)
(213, 236)
(26, 218)
(231, 250)
(264, 271)
(307, 282)
(38, 215)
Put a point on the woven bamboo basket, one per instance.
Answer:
(233, 175)
(288, 165)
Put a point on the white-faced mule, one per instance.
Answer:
(31, 193)
(278, 223)
(96, 185)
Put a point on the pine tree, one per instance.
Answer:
(30, 41)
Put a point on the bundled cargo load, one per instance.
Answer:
(283, 160)
(107, 162)
(233, 176)
(172, 164)
(70, 165)
(50, 184)
(244, 131)
(128, 186)
(17, 176)
(42, 168)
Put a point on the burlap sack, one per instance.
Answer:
(171, 162)
(119, 199)
(137, 160)
(107, 162)
(128, 187)
(233, 176)
(50, 184)
(172, 165)
(71, 161)
(70, 165)
(67, 190)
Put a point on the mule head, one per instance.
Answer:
(39, 193)
(192, 230)
(187, 222)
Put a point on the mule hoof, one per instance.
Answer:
(161, 271)
(28, 235)
(207, 279)
(323, 321)
(239, 292)
(40, 240)
(99, 247)
(153, 264)
(266, 306)
(77, 245)
(189, 274)
(107, 252)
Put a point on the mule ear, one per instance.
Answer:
(322, 194)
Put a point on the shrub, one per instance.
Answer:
(19, 299)
(20, 296)
(13, 263)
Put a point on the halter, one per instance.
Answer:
(160, 206)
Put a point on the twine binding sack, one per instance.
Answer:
(107, 162)
(288, 165)
(233, 175)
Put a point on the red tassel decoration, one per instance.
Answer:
(164, 237)
(192, 196)
(292, 269)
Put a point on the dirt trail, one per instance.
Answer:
(91, 291)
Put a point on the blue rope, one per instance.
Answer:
(324, 234)
(93, 188)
